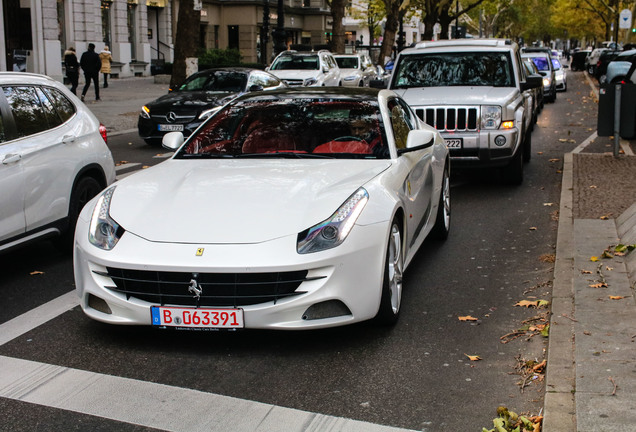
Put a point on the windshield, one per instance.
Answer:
(556, 64)
(291, 127)
(542, 63)
(455, 69)
(347, 62)
(220, 81)
(292, 62)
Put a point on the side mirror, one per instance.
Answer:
(172, 140)
(325, 69)
(418, 139)
(565, 67)
(377, 83)
(532, 81)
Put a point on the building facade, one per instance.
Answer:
(140, 33)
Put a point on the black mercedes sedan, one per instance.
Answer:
(184, 108)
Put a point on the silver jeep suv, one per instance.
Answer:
(477, 94)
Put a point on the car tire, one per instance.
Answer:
(512, 174)
(442, 220)
(85, 189)
(391, 298)
(527, 148)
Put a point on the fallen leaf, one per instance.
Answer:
(604, 217)
(586, 272)
(36, 272)
(473, 357)
(593, 187)
(467, 318)
(616, 297)
(594, 259)
(599, 285)
(554, 160)
(539, 367)
(608, 268)
(539, 153)
(543, 303)
(548, 204)
(527, 303)
(533, 228)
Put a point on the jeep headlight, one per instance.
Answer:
(546, 81)
(490, 117)
(335, 229)
(309, 82)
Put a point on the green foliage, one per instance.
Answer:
(219, 58)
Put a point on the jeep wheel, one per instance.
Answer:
(512, 174)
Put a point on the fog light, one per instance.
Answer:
(500, 140)
(98, 304)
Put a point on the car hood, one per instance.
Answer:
(235, 201)
(197, 100)
(296, 74)
(457, 95)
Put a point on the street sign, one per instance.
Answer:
(625, 19)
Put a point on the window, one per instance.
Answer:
(52, 119)
(106, 5)
(63, 106)
(132, 39)
(28, 114)
(3, 137)
(400, 122)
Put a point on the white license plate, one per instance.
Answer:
(196, 317)
(453, 143)
(170, 127)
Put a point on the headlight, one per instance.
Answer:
(103, 231)
(351, 78)
(333, 231)
(490, 117)
(309, 82)
(145, 112)
(207, 113)
(546, 81)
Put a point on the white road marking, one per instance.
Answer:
(585, 143)
(126, 165)
(163, 155)
(144, 403)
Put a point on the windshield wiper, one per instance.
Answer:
(285, 155)
(205, 156)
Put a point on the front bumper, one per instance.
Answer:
(349, 275)
(479, 149)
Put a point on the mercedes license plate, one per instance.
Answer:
(170, 128)
(453, 143)
(201, 318)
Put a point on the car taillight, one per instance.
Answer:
(103, 133)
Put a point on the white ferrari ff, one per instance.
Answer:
(290, 209)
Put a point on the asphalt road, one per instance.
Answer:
(415, 375)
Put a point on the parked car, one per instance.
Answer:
(560, 75)
(578, 60)
(537, 92)
(54, 159)
(277, 213)
(618, 69)
(306, 69)
(474, 92)
(356, 70)
(604, 60)
(592, 60)
(203, 93)
(543, 62)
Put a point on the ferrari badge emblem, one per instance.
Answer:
(200, 252)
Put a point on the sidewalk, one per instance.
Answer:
(121, 102)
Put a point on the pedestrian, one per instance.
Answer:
(106, 58)
(72, 68)
(91, 64)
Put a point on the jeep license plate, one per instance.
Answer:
(453, 143)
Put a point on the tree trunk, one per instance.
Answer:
(390, 29)
(337, 14)
(186, 40)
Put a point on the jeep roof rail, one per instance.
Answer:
(466, 42)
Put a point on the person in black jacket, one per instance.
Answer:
(72, 68)
(91, 64)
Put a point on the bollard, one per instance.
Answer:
(617, 119)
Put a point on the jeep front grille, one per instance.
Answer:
(450, 118)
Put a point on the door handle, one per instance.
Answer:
(66, 139)
(11, 158)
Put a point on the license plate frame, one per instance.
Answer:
(454, 143)
(197, 318)
(170, 128)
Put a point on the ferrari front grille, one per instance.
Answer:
(205, 289)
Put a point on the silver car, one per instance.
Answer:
(560, 75)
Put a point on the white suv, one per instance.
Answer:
(298, 68)
(477, 94)
(357, 70)
(53, 159)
